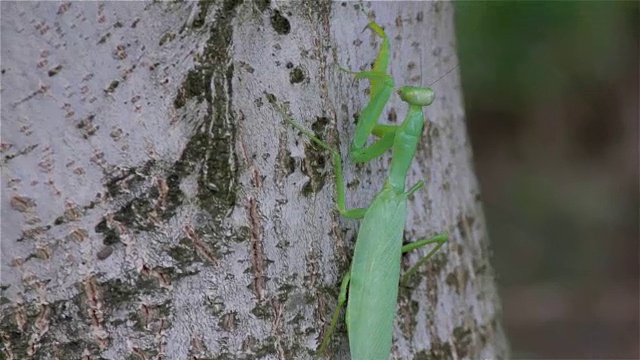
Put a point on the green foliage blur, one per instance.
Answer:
(519, 52)
(551, 95)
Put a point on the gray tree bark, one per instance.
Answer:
(155, 206)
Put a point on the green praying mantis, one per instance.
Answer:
(373, 280)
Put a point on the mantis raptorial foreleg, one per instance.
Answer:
(381, 90)
(368, 119)
(382, 60)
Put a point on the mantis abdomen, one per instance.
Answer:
(375, 272)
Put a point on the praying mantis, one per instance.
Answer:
(373, 280)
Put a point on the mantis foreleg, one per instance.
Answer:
(381, 89)
(382, 60)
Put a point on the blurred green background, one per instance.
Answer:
(551, 95)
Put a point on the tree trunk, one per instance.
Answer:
(155, 206)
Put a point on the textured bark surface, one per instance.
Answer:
(155, 206)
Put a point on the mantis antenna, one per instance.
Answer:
(440, 78)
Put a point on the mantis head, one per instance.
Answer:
(415, 95)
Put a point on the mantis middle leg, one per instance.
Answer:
(438, 239)
(356, 213)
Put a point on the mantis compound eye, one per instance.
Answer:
(414, 95)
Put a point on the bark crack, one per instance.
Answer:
(257, 255)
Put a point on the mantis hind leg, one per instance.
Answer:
(438, 239)
(342, 298)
